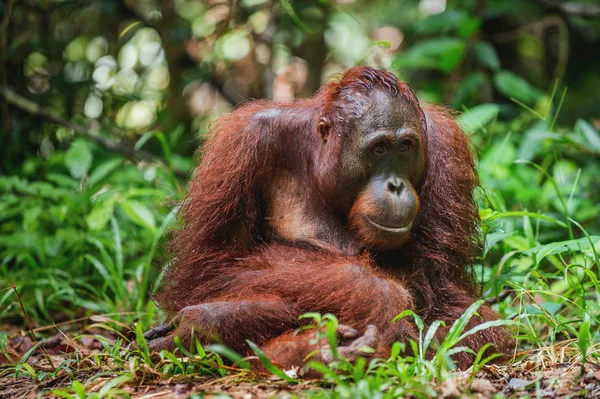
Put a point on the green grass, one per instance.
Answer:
(400, 375)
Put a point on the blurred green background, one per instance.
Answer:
(103, 104)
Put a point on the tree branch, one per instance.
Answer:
(550, 21)
(3, 57)
(218, 85)
(572, 8)
(500, 297)
(126, 151)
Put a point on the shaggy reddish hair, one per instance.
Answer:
(224, 251)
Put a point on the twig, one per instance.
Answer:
(80, 319)
(225, 23)
(14, 287)
(219, 86)
(572, 8)
(538, 27)
(130, 11)
(112, 145)
(456, 76)
(499, 298)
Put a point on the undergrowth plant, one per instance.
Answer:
(82, 236)
(538, 208)
(404, 373)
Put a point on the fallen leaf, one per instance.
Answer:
(529, 365)
(449, 389)
(518, 384)
(482, 385)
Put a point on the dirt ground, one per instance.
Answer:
(536, 375)
(559, 381)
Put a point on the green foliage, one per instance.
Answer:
(403, 373)
(547, 253)
(514, 86)
(442, 53)
(66, 236)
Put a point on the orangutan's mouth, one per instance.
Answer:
(390, 229)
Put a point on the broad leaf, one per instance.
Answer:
(138, 213)
(78, 159)
(590, 135)
(514, 86)
(479, 116)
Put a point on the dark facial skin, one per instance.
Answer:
(381, 162)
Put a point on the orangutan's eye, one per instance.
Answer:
(379, 149)
(405, 145)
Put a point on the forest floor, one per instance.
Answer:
(534, 375)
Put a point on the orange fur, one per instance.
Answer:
(251, 283)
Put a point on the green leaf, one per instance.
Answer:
(396, 349)
(430, 335)
(541, 251)
(99, 266)
(292, 14)
(501, 215)
(173, 358)
(532, 143)
(479, 116)
(531, 47)
(62, 394)
(165, 148)
(450, 58)
(508, 8)
(23, 360)
(328, 372)
(78, 159)
(115, 382)
(447, 21)
(418, 321)
(443, 53)
(99, 216)
(486, 325)
(590, 135)
(79, 389)
(3, 343)
(229, 354)
(583, 340)
(469, 28)
(103, 170)
(470, 88)
(138, 213)
(144, 139)
(593, 245)
(486, 55)
(118, 244)
(492, 239)
(142, 344)
(514, 86)
(454, 334)
(62, 180)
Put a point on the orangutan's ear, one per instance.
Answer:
(323, 128)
